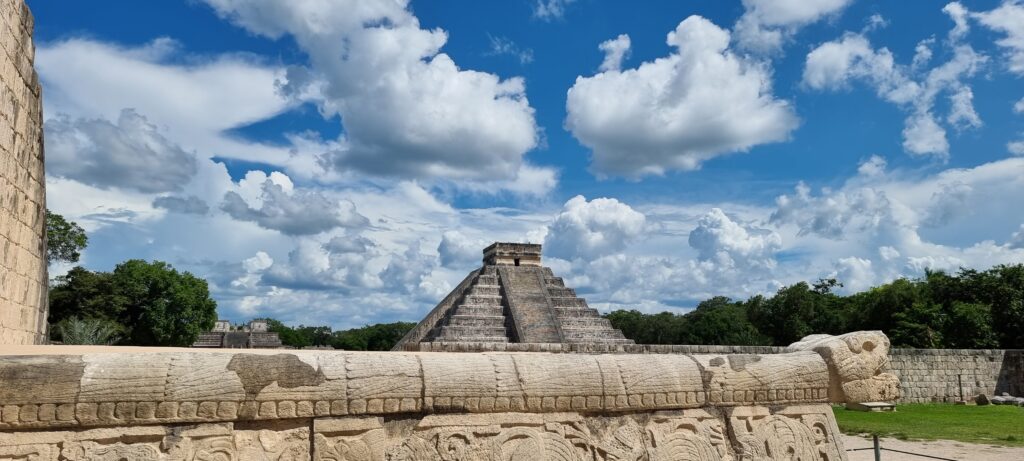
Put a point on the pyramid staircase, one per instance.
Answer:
(578, 322)
(478, 317)
(482, 313)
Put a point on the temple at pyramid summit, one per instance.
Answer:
(513, 298)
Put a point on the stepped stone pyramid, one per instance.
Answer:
(513, 299)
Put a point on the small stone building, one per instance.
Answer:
(513, 298)
(254, 335)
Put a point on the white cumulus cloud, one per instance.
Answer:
(615, 50)
(130, 154)
(727, 243)
(675, 112)
(591, 229)
(767, 24)
(836, 64)
(407, 109)
(1008, 19)
(293, 212)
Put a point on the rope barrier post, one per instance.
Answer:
(878, 449)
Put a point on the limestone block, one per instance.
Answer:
(858, 364)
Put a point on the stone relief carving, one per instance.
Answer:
(858, 365)
(742, 434)
(691, 435)
(207, 442)
(796, 433)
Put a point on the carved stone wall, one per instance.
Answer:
(23, 277)
(926, 375)
(227, 405)
(806, 432)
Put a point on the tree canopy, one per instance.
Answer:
(378, 337)
(970, 309)
(152, 303)
(65, 239)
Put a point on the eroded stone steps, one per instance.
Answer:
(599, 341)
(585, 322)
(561, 292)
(568, 301)
(591, 333)
(484, 290)
(554, 282)
(482, 300)
(479, 311)
(477, 320)
(467, 333)
(562, 312)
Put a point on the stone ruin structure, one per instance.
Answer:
(23, 277)
(77, 403)
(159, 404)
(255, 335)
(512, 298)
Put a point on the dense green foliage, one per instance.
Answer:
(998, 425)
(74, 330)
(379, 337)
(971, 309)
(151, 302)
(65, 239)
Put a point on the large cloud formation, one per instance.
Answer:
(130, 154)
(678, 111)
(407, 109)
(293, 212)
(719, 239)
(834, 65)
(592, 229)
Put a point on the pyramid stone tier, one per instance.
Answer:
(513, 299)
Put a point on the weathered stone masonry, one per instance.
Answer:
(23, 277)
(930, 375)
(926, 375)
(427, 406)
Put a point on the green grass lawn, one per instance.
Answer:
(994, 425)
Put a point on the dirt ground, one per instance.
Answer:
(941, 448)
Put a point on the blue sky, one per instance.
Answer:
(344, 162)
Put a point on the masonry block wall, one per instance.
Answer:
(23, 277)
(931, 375)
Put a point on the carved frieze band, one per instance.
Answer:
(159, 388)
(740, 433)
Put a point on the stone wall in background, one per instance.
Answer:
(930, 375)
(23, 278)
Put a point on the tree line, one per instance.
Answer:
(970, 309)
(377, 337)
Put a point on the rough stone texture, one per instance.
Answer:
(858, 365)
(23, 278)
(428, 406)
(757, 433)
(930, 375)
(926, 375)
(513, 299)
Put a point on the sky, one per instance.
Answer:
(344, 162)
